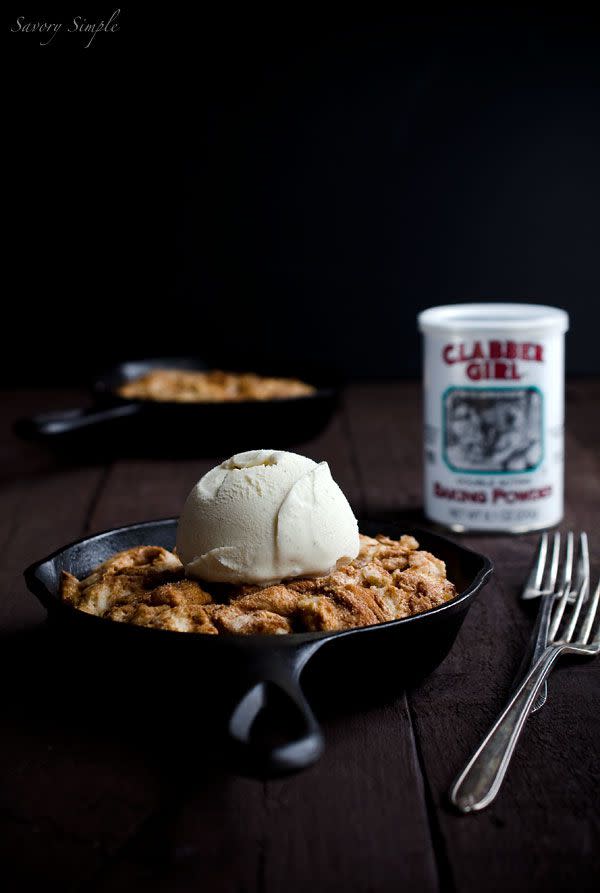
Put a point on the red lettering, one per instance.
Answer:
(493, 352)
(509, 496)
(454, 495)
(492, 370)
(447, 354)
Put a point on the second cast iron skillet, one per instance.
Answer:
(266, 669)
(204, 427)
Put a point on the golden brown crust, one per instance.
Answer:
(149, 562)
(279, 599)
(183, 619)
(183, 592)
(388, 580)
(69, 588)
(231, 619)
(189, 386)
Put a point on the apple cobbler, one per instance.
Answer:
(388, 580)
(190, 386)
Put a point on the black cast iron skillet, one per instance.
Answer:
(267, 669)
(204, 426)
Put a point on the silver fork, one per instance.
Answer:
(542, 583)
(479, 782)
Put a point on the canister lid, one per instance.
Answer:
(490, 316)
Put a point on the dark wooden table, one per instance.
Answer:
(100, 808)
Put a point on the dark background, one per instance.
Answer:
(284, 189)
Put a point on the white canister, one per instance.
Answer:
(494, 415)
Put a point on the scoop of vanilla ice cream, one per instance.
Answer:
(263, 516)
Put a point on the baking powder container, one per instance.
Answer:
(494, 415)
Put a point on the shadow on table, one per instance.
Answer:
(163, 708)
(57, 682)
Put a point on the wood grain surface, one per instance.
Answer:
(103, 799)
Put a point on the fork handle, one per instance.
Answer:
(540, 643)
(479, 782)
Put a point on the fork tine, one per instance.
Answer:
(567, 569)
(549, 582)
(534, 580)
(590, 617)
(565, 593)
(581, 587)
(583, 563)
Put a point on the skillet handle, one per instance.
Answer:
(53, 424)
(297, 750)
